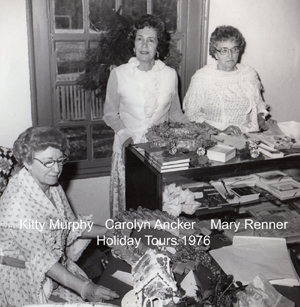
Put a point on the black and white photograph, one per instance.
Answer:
(150, 153)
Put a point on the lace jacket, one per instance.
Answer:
(225, 98)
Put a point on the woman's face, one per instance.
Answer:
(43, 175)
(146, 45)
(226, 62)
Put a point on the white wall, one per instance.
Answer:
(15, 111)
(90, 196)
(271, 29)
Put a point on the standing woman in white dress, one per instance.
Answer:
(226, 94)
(140, 94)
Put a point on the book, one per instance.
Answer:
(285, 190)
(209, 197)
(270, 152)
(283, 224)
(295, 205)
(272, 176)
(265, 208)
(161, 158)
(221, 153)
(169, 167)
(291, 151)
(245, 193)
(264, 179)
(213, 199)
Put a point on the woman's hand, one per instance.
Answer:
(97, 293)
(126, 144)
(87, 290)
(233, 130)
(262, 124)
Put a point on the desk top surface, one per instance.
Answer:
(237, 165)
(292, 293)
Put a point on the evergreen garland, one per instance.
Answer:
(113, 50)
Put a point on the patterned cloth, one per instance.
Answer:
(34, 229)
(223, 98)
(117, 185)
(7, 163)
(135, 101)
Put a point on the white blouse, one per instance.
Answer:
(137, 100)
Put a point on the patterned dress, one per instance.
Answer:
(34, 230)
(135, 101)
(223, 98)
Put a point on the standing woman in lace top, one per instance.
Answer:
(140, 94)
(226, 94)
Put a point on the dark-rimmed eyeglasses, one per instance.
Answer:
(49, 164)
(225, 50)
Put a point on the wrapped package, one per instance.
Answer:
(260, 293)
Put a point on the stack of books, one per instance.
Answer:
(279, 184)
(270, 151)
(266, 178)
(163, 163)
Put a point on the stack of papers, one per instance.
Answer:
(248, 257)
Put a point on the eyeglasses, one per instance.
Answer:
(225, 50)
(49, 164)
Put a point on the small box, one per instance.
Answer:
(221, 153)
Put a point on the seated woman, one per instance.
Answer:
(40, 236)
(226, 94)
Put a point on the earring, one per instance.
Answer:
(134, 51)
(157, 54)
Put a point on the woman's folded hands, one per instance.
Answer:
(232, 130)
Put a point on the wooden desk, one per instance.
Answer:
(144, 184)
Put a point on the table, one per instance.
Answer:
(144, 184)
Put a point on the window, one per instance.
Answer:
(61, 31)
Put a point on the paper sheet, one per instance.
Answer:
(248, 257)
(124, 277)
(238, 142)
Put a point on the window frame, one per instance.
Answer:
(42, 74)
(192, 27)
